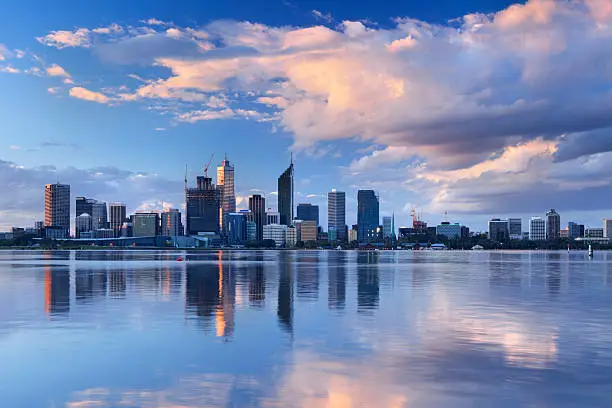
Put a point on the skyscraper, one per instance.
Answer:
(236, 228)
(145, 224)
(257, 205)
(96, 209)
(537, 229)
(387, 228)
(308, 212)
(553, 224)
(117, 217)
(336, 214)
(225, 183)
(203, 204)
(367, 215)
(498, 230)
(57, 206)
(607, 222)
(285, 195)
(171, 224)
(515, 228)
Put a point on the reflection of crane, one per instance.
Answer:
(207, 165)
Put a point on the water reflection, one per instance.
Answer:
(367, 281)
(336, 278)
(57, 291)
(284, 311)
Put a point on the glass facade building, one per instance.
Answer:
(57, 208)
(285, 196)
(308, 212)
(336, 214)
(368, 216)
(225, 183)
(203, 205)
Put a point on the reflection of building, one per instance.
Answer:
(308, 279)
(553, 224)
(145, 224)
(225, 182)
(257, 285)
(227, 294)
(498, 230)
(203, 206)
(57, 207)
(367, 216)
(57, 290)
(89, 284)
(284, 310)
(336, 292)
(367, 281)
(285, 196)
(171, 224)
(336, 213)
(118, 214)
(308, 212)
(537, 229)
(117, 283)
(202, 291)
(257, 206)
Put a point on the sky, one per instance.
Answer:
(463, 110)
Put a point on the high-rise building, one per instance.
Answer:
(537, 229)
(308, 231)
(257, 206)
(251, 231)
(276, 233)
(498, 230)
(203, 207)
(82, 224)
(272, 217)
(99, 215)
(145, 224)
(367, 215)
(171, 223)
(236, 228)
(553, 224)
(387, 226)
(118, 214)
(225, 183)
(607, 227)
(451, 231)
(574, 231)
(57, 208)
(308, 212)
(336, 213)
(352, 234)
(515, 228)
(285, 195)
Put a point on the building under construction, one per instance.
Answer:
(202, 206)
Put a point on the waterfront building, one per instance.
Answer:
(275, 232)
(537, 229)
(291, 237)
(498, 230)
(367, 215)
(272, 217)
(145, 224)
(450, 231)
(594, 233)
(387, 226)
(171, 223)
(236, 228)
(118, 215)
(203, 206)
(352, 234)
(574, 230)
(308, 231)
(104, 233)
(553, 224)
(251, 231)
(607, 226)
(257, 206)
(308, 212)
(82, 224)
(336, 214)
(285, 195)
(225, 183)
(515, 228)
(57, 209)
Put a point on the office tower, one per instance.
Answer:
(99, 215)
(594, 233)
(387, 229)
(236, 228)
(251, 231)
(498, 230)
(203, 206)
(573, 230)
(291, 237)
(451, 231)
(57, 207)
(225, 183)
(276, 233)
(285, 196)
(553, 224)
(83, 206)
(537, 229)
(82, 224)
(607, 227)
(117, 217)
(367, 215)
(336, 214)
(257, 206)
(308, 231)
(145, 224)
(171, 223)
(352, 234)
(515, 228)
(272, 217)
(308, 212)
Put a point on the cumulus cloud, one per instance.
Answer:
(86, 94)
(56, 70)
(62, 38)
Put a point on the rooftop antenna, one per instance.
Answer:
(445, 216)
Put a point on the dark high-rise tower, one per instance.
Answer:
(57, 206)
(285, 196)
(367, 215)
(257, 206)
(308, 212)
(336, 214)
(117, 217)
(202, 209)
(553, 224)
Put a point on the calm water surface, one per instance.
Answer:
(305, 329)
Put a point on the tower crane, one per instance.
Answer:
(207, 165)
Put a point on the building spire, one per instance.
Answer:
(185, 176)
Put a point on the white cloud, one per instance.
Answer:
(63, 39)
(4, 53)
(10, 70)
(56, 70)
(54, 90)
(154, 21)
(111, 29)
(86, 94)
(14, 147)
(326, 17)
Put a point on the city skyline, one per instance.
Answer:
(476, 120)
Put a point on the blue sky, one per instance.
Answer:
(479, 108)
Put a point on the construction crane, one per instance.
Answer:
(207, 165)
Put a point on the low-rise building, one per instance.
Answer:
(308, 231)
(276, 233)
(450, 231)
